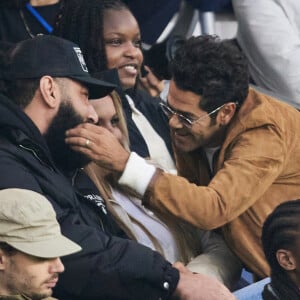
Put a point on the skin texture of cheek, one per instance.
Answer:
(187, 141)
(22, 281)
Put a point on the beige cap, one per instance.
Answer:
(28, 223)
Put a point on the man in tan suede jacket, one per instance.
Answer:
(237, 150)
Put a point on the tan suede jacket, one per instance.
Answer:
(258, 168)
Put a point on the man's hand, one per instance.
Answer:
(199, 287)
(99, 144)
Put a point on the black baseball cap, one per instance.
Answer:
(56, 57)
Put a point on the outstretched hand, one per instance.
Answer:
(99, 144)
(193, 286)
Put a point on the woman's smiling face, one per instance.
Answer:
(123, 45)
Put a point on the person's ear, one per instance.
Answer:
(50, 91)
(226, 113)
(286, 259)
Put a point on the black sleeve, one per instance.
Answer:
(112, 268)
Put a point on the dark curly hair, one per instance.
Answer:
(280, 231)
(81, 21)
(213, 68)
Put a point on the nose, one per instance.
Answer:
(174, 122)
(56, 266)
(92, 115)
(132, 50)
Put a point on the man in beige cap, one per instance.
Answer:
(30, 246)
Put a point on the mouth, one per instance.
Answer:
(180, 134)
(181, 137)
(130, 69)
(52, 283)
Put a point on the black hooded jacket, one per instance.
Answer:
(108, 267)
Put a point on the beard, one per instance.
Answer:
(64, 157)
(18, 280)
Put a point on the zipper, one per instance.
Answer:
(36, 156)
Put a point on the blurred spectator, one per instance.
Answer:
(23, 19)
(154, 16)
(269, 35)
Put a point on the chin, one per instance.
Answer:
(183, 147)
(128, 83)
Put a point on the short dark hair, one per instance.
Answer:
(214, 69)
(7, 249)
(280, 231)
(22, 91)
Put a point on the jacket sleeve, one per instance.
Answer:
(252, 164)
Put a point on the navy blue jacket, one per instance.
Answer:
(108, 267)
(150, 108)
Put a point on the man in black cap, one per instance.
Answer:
(48, 85)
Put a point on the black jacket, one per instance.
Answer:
(108, 267)
(150, 108)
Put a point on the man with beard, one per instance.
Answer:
(237, 150)
(30, 246)
(48, 86)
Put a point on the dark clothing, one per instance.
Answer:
(210, 5)
(13, 26)
(87, 189)
(153, 16)
(108, 267)
(149, 107)
(22, 297)
(269, 293)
